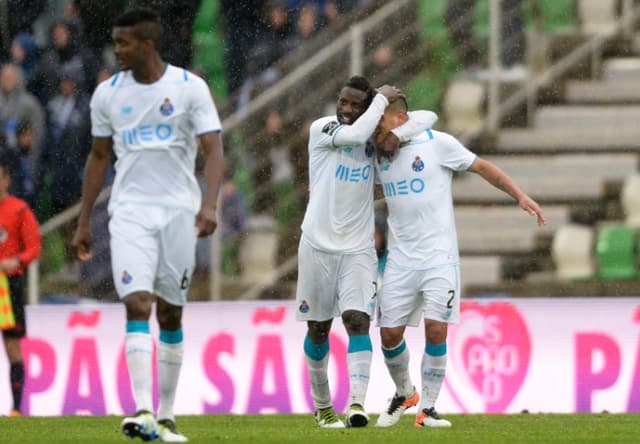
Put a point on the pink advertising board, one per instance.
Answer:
(507, 355)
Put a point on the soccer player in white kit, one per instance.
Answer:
(336, 256)
(150, 114)
(422, 277)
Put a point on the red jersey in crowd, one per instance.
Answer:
(19, 232)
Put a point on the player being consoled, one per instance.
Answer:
(422, 276)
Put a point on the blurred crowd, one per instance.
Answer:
(50, 65)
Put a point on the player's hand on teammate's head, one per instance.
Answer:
(81, 243)
(206, 222)
(391, 93)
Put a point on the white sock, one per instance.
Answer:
(359, 366)
(397, 361)
(169, 364)
(434, 364)
(139, 348)
(317, 357)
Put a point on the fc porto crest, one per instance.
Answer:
(370, 149)
(166, 109)
(304, 307)
(417, 165)
(126, 277)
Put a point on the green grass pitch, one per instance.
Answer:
(258, 429)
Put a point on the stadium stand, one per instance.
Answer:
(573, 149)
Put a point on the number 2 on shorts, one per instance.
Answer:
(450, 301)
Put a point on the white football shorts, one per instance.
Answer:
(330, 284)
(153, 249)
(407, 296)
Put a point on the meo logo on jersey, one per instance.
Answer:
(403, 187)
(355, 175)
(166, 109)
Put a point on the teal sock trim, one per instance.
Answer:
(317, 352)
(436, 349)
(393, 352)
(359, 343)
(171, 337)
(137, 326)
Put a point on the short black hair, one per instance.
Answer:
(145, 20)
(362, 84)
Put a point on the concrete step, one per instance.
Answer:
(613, 117)
(504, 229)
(553, 140)
(482, 217)
(552, 178)
(480, 270)
(621, 68)
(603, 92)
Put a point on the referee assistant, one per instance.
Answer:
(19, 245)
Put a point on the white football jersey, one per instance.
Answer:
(154, 128)
(339, 215)
(417, 189)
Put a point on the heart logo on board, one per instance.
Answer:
(488, 356)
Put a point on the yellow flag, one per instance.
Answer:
(7, 320)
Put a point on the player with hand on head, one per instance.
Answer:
(422, 276)
(336, 256)
(152, 115)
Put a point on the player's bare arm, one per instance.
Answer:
(94, 174)
(501, 180)
(211, 144)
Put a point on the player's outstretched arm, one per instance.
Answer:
(206, 221)
(94, 173)
(501, 180)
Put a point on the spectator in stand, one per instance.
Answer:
(66, 53)
(233, 220)
(17, 16)
(19, 245)
(24, 53)
(276, 31)
(20, 108)
(67, 147)
(307, 25)
(241, 28)
(29, 163)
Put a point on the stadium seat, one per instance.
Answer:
(463, 105)
(257, 254)
(572, 252)
(630, 199)
(615, 251)
(596, 16)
